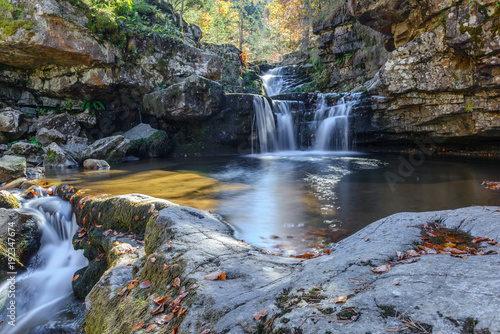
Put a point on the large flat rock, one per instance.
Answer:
(439, 293)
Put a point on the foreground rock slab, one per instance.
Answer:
(438, 293)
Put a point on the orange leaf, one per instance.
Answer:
(182, 311)
(151, 327)
(260, 314)
(218, 274)
(145, 284)
(174, 331)
(133, 283)
(367, 239)
(138, 325)
(381, 269)
(98, 226)
(177, 282)
(178, 300)
(122, 291)
(76, 277)
(160, 300)
(136, 218)
(159, 309)
(341, 299)
(152, 259)
(328, 252)
(480, 239)
(165, 267)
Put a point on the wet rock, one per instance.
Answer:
(8, 201)
(47, 136)
(65, 123)
(35, 172)
(27, 236)
(17, 183)
(32, 152)
(56, 157)
(95, 164)
(438, 292)
(12, 167)
(112, 149)
(146, 142)
(194, 99)
(12, 125)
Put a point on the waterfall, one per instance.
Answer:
(266, 127)
(273, 81)
(286, 128)
(333, 123)
(46, 284)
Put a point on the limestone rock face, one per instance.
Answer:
(12, 167)
(194, 99)
(47, 136)
(442, 82)
(65, 124)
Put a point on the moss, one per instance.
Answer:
(9, 201)
(10, 27)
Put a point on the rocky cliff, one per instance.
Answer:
(440, 80)
(61, 57)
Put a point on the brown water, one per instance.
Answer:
(298, 202)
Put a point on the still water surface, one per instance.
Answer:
(299, 201)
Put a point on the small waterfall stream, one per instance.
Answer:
(278, 126)
(46, 284)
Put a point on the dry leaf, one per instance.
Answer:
(341, 299)
(138, 325)
(381, 269)
(159, 309)
(260, 314)
(480, 239)
(165, 266)
(174, 331)
(151, 327)
(177, 282)
(218, 274)
(367, 239)
(122, 291)
(145, 284)
(206, 331)
(160, 300)
(76, 277)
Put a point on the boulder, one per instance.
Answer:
(75, 147)
(35, 172)
(336, 292)
(48, 136)
(194, 99)
(8, 201)
(95, 164)
(56, 157)
(11, 168)
(146, 142)
(12, 126)
(65, 123)
(86, 120)
(32, 152)
(112, 149)
(27, 235)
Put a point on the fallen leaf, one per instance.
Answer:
(151, 327)
(305, 256)
(133, 283)
(122, 291)
(76, 277)
(218, 274)
(178, 299)
(159, 309)
(367, 239)
(106, 233)
(182, 311)
(328, 252)
(381, 269)
(98, 226)
(260, 314)
(206, 331)
(182, 290)
(145, 284)
(165, 266)
(136, 218)
(177, 282)
(151, 208)
(161, 300)
(480, 239)
(396, 283)
(341, 299)
(169, 317)
(400, 255)
(152, 259)
(174, 331)
(138, 325)
(412, 253)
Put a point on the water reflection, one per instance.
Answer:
(296, 201)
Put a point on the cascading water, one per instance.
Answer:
(46, 284)
(286, 128)
(329, 130)
(333, 123)
(266, 127)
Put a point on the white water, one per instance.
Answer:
(333, 123)
(266, 127)
(46, 284)
(286, 128)
(273, 81)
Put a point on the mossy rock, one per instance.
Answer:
(11, 168)
(156, 145)
(87, 277)
(8, 201)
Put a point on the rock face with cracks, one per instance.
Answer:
(436, 293)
